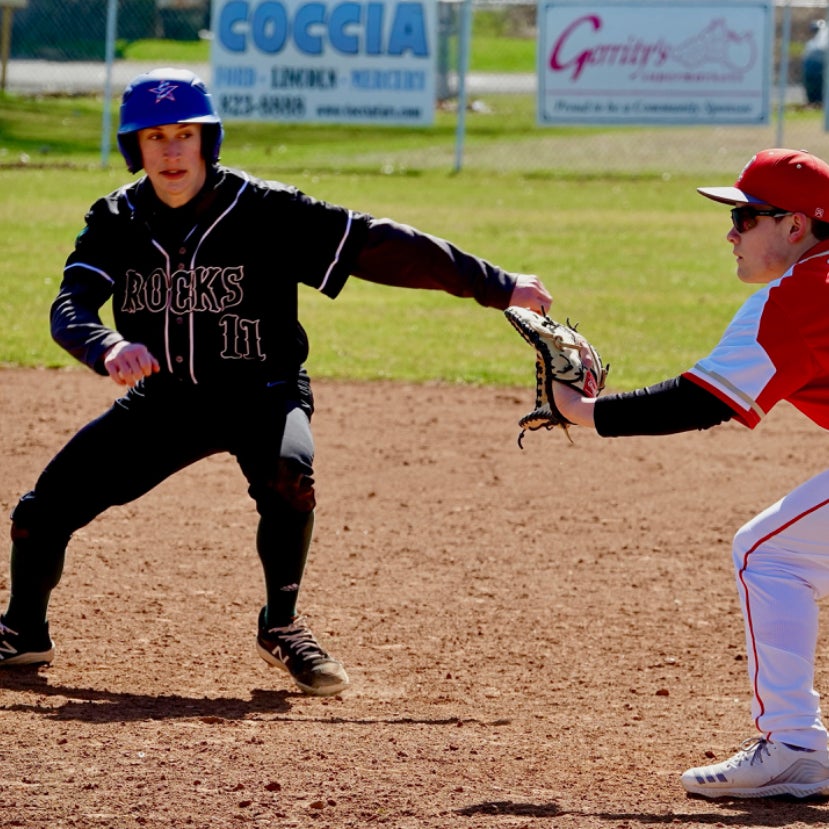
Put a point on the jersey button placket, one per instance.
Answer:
(180, 320)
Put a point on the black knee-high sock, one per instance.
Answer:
(33, 577)
(282, 542)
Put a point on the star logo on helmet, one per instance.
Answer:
(164, 91)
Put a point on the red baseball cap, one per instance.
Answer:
(792, 180)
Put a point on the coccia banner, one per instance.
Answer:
(336, 62)
(655, 62)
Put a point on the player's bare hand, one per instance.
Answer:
(127, 363)
(573, 405)
(529, 292)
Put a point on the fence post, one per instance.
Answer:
(825, 101)
(464, 41)
(783, 80)
(106, 126)
(7, 7)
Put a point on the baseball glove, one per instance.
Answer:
(559, 358)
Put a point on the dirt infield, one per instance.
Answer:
(545, 638)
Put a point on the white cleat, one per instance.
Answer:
(762, 768)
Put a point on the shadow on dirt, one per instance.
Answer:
(768, 811)
(772, 812)
(94, 705)
(510, 807)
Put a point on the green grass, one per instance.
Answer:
(493, 49)
(67, 131)
(164, 51)
(606, 268)
(607, 217)
(57, 130)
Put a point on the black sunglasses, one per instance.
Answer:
(745, 218)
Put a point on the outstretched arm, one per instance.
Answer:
(676, 405)
(402, 256)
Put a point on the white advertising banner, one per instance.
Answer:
(668, 62)
(326, 61)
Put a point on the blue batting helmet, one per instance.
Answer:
(167, 96)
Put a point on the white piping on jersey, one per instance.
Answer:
(740, 366)
(104, 274)
(218, 219)
(167, 310)
(728, 387)
(336, 258)
(192, 320)
(822, 255)
(191, 324)
(124, 191)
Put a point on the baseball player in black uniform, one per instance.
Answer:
(202, 265)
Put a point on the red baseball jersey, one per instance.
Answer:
(776, 347)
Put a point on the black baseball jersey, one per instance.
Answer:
(211, 288)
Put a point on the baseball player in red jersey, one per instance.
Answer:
(201, 265)
(776, 348)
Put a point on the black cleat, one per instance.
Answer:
(29, 649)
(295, 649)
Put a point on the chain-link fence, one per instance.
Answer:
(74, 30)
(58, 47)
